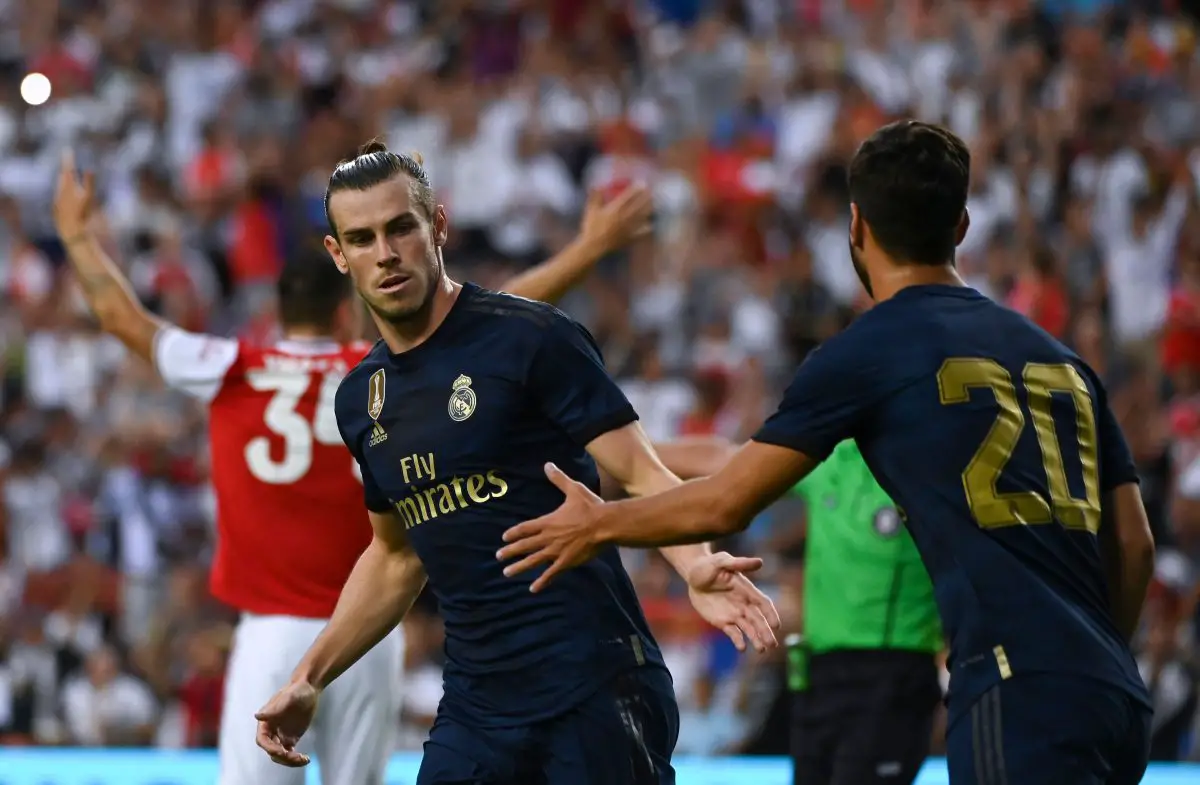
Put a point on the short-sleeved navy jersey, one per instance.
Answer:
(453, 436)
(997, 443)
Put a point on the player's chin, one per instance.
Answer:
(395, 306)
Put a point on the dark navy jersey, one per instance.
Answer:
(453, 436)
(997, 443)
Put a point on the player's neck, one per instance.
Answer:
(896, 278)
(410, 333)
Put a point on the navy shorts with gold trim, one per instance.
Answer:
(623, 734)
(1050, 730)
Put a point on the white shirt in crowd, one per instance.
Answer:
(93, 713)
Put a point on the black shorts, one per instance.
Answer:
(866, 717)
(1050, 729)
(623, 734)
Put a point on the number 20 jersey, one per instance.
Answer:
(290, 518)
(997, 443)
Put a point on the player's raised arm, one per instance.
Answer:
(382, 587)
(606, 227)
(109, 294)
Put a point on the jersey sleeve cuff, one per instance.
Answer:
(1129, 478)
(375, 505)
(618, 419)
(802, 444)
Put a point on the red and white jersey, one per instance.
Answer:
(290, 516)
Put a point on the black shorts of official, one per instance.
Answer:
(866, 717)
(1050, 729)
(623, 734)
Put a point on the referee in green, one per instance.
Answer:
(864, 672)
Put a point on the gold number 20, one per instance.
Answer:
(993, 509)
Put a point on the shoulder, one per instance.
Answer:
(531, 323)
(513, 310)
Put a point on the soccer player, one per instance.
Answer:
(998, 444)
(451, 417)
(290, 518)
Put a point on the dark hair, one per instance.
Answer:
(374, 164)
(909, 180)
(310, 290)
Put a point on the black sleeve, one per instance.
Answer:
(1117, 466)
(829, 397)
(568, 379)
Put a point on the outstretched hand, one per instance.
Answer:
(722, 594)
(563, 538)
(74, 199)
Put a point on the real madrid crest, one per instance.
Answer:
(376, 391)
(462, 399)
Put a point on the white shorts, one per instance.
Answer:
(357, 720)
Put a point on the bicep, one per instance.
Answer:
(390, 532)
(1125, 521)
(623, 452)
(193, 363)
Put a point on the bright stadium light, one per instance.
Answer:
(35, 89)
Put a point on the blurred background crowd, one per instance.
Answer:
(213, 125)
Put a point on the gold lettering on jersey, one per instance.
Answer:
(446, 498)
(418, 467)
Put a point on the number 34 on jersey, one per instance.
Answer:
(299, 433)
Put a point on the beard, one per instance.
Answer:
(861, 270)
(414, 304)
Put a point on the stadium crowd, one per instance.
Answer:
(213, 125)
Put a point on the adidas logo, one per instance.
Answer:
(378, 435)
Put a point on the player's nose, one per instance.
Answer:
(386, 255)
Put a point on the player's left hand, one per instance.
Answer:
(564, 538)
(722, 594)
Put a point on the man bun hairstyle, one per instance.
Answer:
(373, 164)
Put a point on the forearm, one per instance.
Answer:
(551, 279)
(690, 513)
(380, 590)
(659, 480)
(109, 295)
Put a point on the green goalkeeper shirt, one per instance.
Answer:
(864, 584)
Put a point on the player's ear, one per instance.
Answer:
(856, 228)
(964, 223)
(335, 253)
(441, 226)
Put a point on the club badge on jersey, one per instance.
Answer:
(377, 392)
(462, 400)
